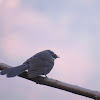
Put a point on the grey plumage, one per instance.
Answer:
(39, 64)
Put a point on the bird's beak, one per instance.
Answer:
(58, 57)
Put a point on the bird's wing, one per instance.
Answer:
(38, 66)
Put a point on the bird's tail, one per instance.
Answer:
(11, 72)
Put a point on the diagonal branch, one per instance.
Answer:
(58, 84)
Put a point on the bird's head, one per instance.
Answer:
(53, 54)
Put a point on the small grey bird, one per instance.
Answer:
(39, 64)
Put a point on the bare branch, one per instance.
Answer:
(58, 84)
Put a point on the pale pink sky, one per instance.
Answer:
(26, 31)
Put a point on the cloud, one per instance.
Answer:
(25, 28)
(12, 44)
(11, 3)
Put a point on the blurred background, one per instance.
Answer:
(70, 28)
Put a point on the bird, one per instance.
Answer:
(39, 64)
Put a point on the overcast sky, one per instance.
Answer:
(70, 28)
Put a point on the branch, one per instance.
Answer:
(58, 84)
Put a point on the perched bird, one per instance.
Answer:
(39, 64)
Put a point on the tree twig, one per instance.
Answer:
(58, 84)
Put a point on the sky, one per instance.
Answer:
(70, 28)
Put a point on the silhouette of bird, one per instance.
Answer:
(39, 64)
